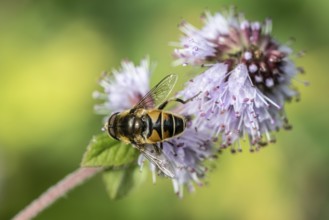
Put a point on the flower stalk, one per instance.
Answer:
(57, 191)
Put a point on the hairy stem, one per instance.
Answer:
(55, 192)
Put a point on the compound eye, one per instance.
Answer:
(111, 125)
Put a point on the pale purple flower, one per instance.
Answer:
(186, 154)
(246, 82)
(123, 89)
(195, 48)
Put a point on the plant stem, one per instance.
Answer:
(55, 192)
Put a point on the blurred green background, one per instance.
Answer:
(51, 55)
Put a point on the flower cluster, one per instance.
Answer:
(246, 82)
(241, 92)
(185, 153)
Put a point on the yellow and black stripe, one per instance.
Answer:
(164, 125)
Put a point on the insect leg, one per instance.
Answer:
(165, 103)
(156, 148)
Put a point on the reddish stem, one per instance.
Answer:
(57, 191)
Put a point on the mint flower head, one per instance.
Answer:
(184, 154)
(123, 88)
(246, 82)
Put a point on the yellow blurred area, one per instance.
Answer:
(49, 83)
(51, 56)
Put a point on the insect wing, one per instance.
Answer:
(158, 159)
(158, 93)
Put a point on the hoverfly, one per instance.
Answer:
(146, 125)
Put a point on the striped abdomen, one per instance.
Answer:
(164, 125)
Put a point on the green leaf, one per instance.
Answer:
(106, 152)
(120, 182)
